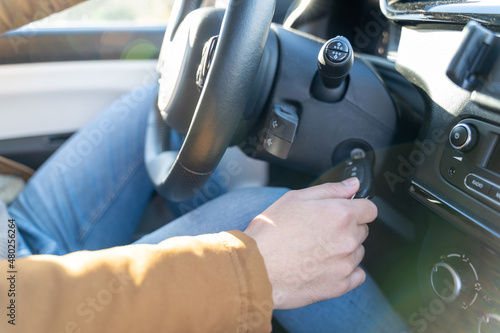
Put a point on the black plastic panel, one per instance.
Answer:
(446, 105)
(32, 151)
(464, 227)
(366, 113)
(470, 171)
(477, 268)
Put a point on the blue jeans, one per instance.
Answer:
(92, 192)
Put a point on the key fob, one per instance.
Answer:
(362, 169)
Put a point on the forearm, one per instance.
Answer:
(210, 283)
(16, 13)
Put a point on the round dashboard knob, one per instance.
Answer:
(489, 323)
(463, 137)
(446, 282)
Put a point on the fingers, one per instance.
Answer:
(364, 209)
(359, 211)
(358, 255)
(362, 232)
(352, 275)
(357, 278)
(367, 210)
(345, 189)
(350, 282)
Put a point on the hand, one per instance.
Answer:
(311, 243)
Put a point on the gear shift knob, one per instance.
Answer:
(335, 60)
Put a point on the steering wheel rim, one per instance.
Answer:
(242, 39)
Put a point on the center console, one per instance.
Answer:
(457, 181)
(459, 264)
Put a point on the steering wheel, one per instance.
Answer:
(178, 176)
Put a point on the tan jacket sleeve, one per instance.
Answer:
(210, 283)
(16, 13)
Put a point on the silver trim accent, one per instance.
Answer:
(473, 300)
(474, 270)
(486, 319)
(479, 193)
(469, 136)
(457, 282)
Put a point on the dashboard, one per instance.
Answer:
(455, 163)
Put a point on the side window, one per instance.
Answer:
(99, 13)
(91, 30)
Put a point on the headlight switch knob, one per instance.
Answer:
(335, 60)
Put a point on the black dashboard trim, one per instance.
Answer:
(467, 223)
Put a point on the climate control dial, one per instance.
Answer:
(446, 282)
(489, 323)
(454, 278)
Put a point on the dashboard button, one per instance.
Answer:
(477, 184)
(495, 193)
(458, 136)
(355, 171)
(284, 123)
(338, 45)
(277, 146)
(463, 137)
(336, 56)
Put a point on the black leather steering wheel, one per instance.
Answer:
(242, 38)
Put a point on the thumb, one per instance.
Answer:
(345, 189)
